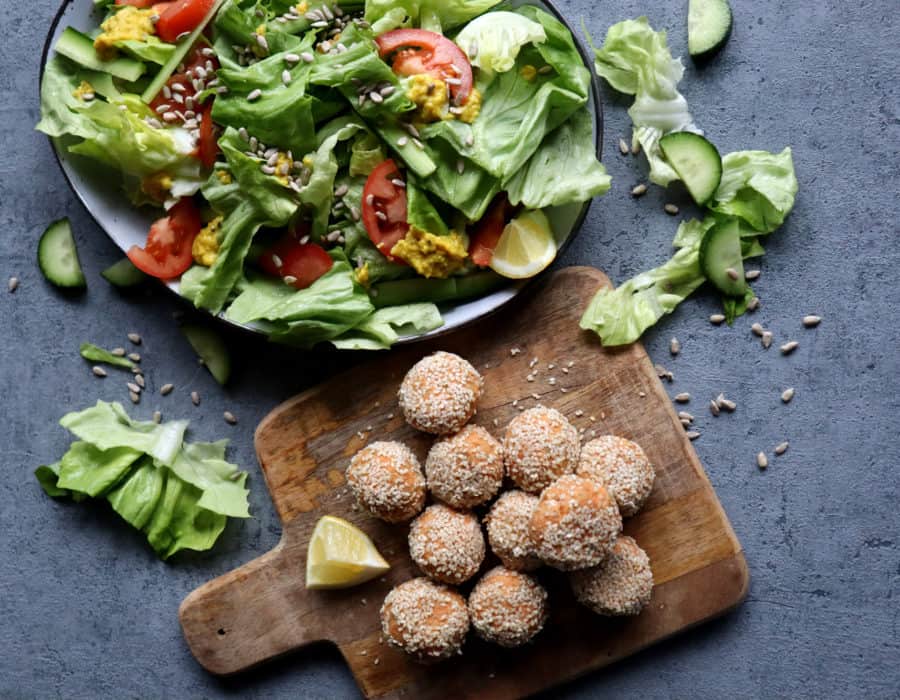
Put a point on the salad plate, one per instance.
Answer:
(100, 189)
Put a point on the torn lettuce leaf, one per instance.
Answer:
(94, 353)
(493, 41)
(757, 187)
(385, 327)
(434, 15)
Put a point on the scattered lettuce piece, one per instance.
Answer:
(94, 353)
(493, 40)
(434, 15)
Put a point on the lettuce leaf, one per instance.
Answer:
(384, 327)
(421, 212)
(150, 49)
(178, 503)
(493, 40)
(94, 353)
(434, 15)
(757, 187)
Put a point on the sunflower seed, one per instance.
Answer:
(139, 380)
(134, 357)
(671, 209)
(787, 395)
(418, 144)
(728, 405)
(460, 166)
(717, 318)
(135, 398)
(376, 97)
(757, 329)
(387, 90)
(133, 387)
(195, 398)
(319, 24)
(314, 15)
(766, 339)
(623, 147)
(98, 371)
(166, 389)
(370, 199)
(470, 139)
(751, 274)
(753, 304)
(685, 423)
(397, 182)
(781, 448)
(732, 273)
(182, 36)
(291, 58)
(329, 15)
(812, 321)
(254, 94)
(762, 461)
(261, 41)
(229, 417)
(13, 284)
(684, 415)
(381, 215)
(789, 347)
(683, 397)
(267, 169)
(714, 408)
(413, 131)
(341, 190)
(157, 417)
(289, 279)
(286, 76)
(635, 147)
(134, 338)
(402, 141)
(639, 190)
(692, 435)
(307, 57)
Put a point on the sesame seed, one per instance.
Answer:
(787, 394)
(98, 371)
(460, 166)
(717, 318)
(762, 461)
(623, 147)
(639, 190)
(135, 338)
(671, 209)
(781, 448)
(789, 347)
(195, 398)
(683, 397)
(812, 321)
(166, 389)
(229, 418)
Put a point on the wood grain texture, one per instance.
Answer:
(262, 609)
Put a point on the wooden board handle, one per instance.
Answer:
(249, 615)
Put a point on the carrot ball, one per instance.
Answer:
(425, 619)
(507, 607)
(438, 395)
(622, 467)
(446, 544)
(540, 446)
(575, 523)
(466, 469)
(620, 585)
(507, 530)
(387, 480)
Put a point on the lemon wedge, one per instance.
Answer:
(525, 248)
(340, 555)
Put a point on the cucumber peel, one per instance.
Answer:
(123, 274)
(697, 162)
(58, 258)
(212, 350)
(709, 26)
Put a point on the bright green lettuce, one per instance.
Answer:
(757, 187)
(434, 15)
(178, 494)
(385, 326)
(150, 49)
(493, 40)
(94, 353)
(420, 212)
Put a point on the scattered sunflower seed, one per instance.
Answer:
(135, 398)
(157, 417)
(732, 273)
(286, 76)
(810, 321)
(685, 423)
(98, 371)
(762, 461)
(787, 394)
(307, 57)
(254, 94)
(789, 347)
(781, 448)
(751, 274)
(134, 387)
(195, 398)
(134, 357)
(767, 339)
(13, 284)
(134, 338)
(623, 147)
(714, 408)
(674, 346)
(753, 304)
(684, 415)
(683, 397)
(692, 434)
(139, 380)
(717, 318)
(728, 405)
(166, 389)
(671, 209)
(638, 190)
(229, 418)
(118, 352)
(757, 329)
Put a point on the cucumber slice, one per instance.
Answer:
(416, 289)
(211, 349)
(721, 260)
(123, 274)
(79, 47)
(58, 258)
(709, 25)
(696, 161)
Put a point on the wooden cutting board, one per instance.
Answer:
(262, 609)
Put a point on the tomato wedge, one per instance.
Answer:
(180, 17)
(298, 264)
(167, 253)
(207, 146)
(487, 231)
(417, 51)
(384, 208)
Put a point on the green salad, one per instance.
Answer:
(332, 172)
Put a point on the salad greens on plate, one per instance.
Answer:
(306, 158)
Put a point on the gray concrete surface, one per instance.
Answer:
(87, 611)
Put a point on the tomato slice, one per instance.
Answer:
(487, 231)
(207, 147)
(417, 51)
(141, 4)
(304, 262)
(384, 208)
(180, 17)
(167, 253)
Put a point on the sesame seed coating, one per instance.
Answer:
(425, 619)
(620, 585)
(507, 607)
(465, 469)
(446, 544)
(387, 480)
(622, 466)
(575, 523)
(438, 395)
(540, 446)
(507, 530)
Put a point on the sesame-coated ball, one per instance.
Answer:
(507, 607)
(387, 480)
(507, 530)
(622, 466)
(425, 619)
(540, 446)
(575, 523)
(466, 469)
(446, 544)
(620, 585)
(438, 395)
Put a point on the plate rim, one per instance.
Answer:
(517, 287)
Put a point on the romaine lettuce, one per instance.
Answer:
(434, 15)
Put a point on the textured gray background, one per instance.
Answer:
(87, 611)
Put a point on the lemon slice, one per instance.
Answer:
(340, 555)
(525, 248)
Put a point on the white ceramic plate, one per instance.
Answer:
(99, 189)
